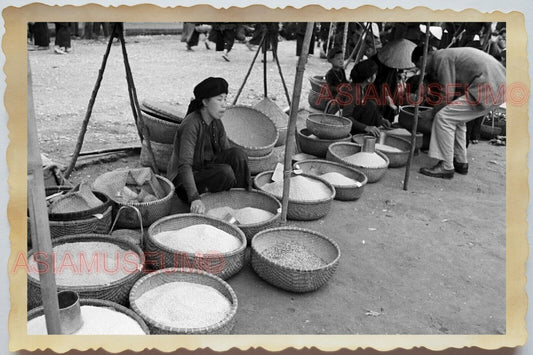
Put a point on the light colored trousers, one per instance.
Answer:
(448, 133)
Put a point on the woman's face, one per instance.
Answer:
(216, 105)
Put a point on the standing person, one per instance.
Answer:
(62, 41)
(300, 34)
(479, 78)
(202, 159)
(41, 35)
(194, 37)
(225, 33)
(271, 31)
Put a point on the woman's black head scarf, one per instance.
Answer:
(363, 70)
(210, 87)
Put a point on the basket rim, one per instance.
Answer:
(306, 137)
(229, 316)
(302, 230)
(333, 145)
(84, 214)
(240, 235)
(76, 238)
(345, 121)
(34, 312)
(259, 192)
(328, 162)
(252, 148)
(303, 202)
(402, 139)
(403, 107)
(149, 117)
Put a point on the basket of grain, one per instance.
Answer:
(374, 167)
(162, 153)
(395, 148)
(294, 259)
(311, 144)
(317, 82)
(80, 209)
(280, 118)
(250, 130)
(407, 115)
(161, 131)
(253, 210)
(196, 241)
(100, 317)
(93, 265)
(326, 126)
(309, 196)
(348, 182)
(153, 198)
(184, 301)
(95, 224)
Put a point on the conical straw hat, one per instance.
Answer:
(397, 54)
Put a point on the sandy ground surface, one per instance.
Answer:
(430, 260)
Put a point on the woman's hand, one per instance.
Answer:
(373, 130)
(385, 123)
(197, 206)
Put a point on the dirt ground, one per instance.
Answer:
(430, 260)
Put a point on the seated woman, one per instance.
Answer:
(358, 101)
(202, 159)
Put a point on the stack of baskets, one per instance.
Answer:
(317, 82)
(162, 121)
(321, 131)
(253, 132)
(280, 118)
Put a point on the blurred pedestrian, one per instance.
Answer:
(300, 34)
(41, 35)
(194, 36)
(225, 33)
(62, 40)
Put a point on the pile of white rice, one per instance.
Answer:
(246, 215)
(302, 189)
(366, 160)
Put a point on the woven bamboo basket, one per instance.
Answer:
(268, 162)
(419, 139)
(407, 115)
(116, 291)
(314, 102)
(342, 192)
(164, 276)
(223, 265)
(338, 151)
(39, 311)
(316, 146)
(317, 81)
(70, 216)
(301, 210)
(161, 131)
(280, 118)
(150, 211)
(250, 130)
(241, 198)
(396, 159)
(165, 110)
(91, 225)
(326, 126)
(289, 278)
(162, 153)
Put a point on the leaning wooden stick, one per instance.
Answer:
(415, 118)
(249, 70)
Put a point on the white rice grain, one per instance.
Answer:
(198, 238)
(302, 189)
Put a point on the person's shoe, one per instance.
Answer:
(59, 50)
(189, 48)
(43, 48)
(226, 58)
(460, 168)
(438, 171)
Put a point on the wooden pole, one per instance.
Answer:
(39, 219)
(249, 70)
(344, 39)
(289, 145)
(330, 33)
(415, 118)
(85, 122)
(357, 48)
(282, 79)
(265, 46)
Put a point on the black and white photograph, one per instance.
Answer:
(311, 178)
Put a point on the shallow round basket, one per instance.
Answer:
(316, 146)
(326, 126)
(419, 140)
(39, 311)
(396, 159)
(70, 216)
(406, 118)
(319, 167)
(241, 198)
(90, 225)
(223, 265)
(250, 130)
(162, 153)
(280, 118)
(150, 211)
(314, 102)
(293, 279)
(301, 210)
(317, 81)
(161, 131)
(168, 275)
(260, 164)
(164, 110)
(116, 291)
(338, 151)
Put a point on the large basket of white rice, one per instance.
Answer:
(198, 242)
(395, 148)
(184, 301)
(349, 183)
(373, 165)
(294, 259)
(253, 210)
(310, 196)
(95, 266)
(311, 144)
(99, 317)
